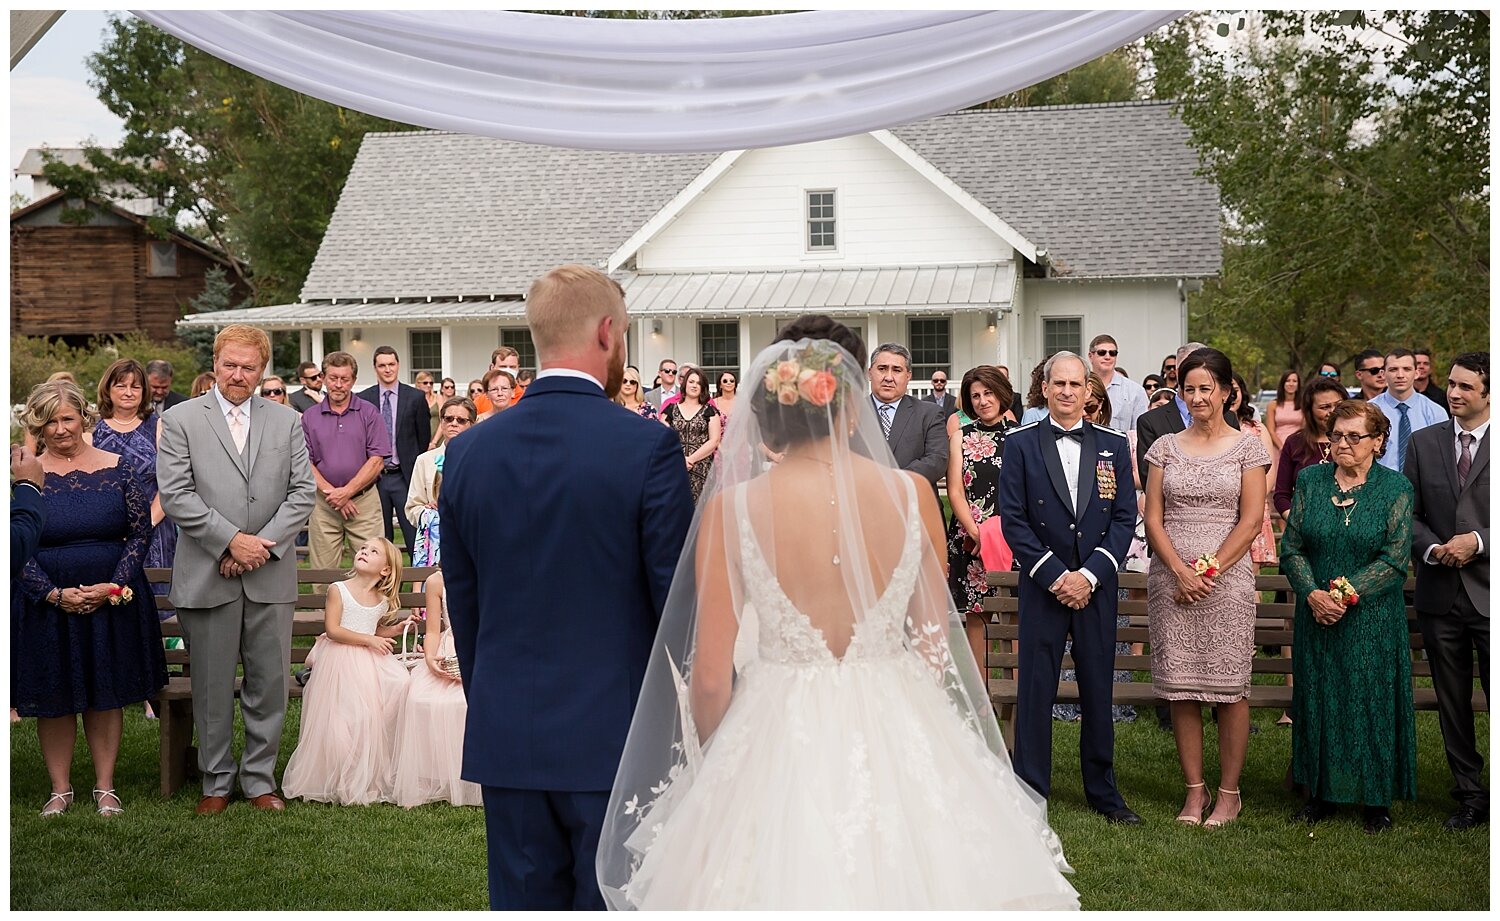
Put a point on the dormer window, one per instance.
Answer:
(822, 235)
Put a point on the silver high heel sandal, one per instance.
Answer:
(104, 809)
(65, 798)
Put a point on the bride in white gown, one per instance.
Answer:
(804, 737)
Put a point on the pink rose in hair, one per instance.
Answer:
(787, 370)
(786, 394)
(819, 387)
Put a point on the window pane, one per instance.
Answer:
(929, 340)
(1062, 334)
(821, 221)
(162, 259)
(718, 350)
(519, 338)
(426, 350)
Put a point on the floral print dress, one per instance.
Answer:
(983, 446)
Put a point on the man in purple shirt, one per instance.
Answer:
(348, 446)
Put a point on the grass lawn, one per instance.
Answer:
(160, 856)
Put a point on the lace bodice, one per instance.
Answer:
(786, 635)
(358, 617)
(1204, 487)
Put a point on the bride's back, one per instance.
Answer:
(833, 547)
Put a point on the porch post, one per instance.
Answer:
(445, 345)
(317, 346)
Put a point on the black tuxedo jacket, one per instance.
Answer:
(1443, 510)
(413, 422)
(1163, 420)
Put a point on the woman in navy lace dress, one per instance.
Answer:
(128, 427)
(84, 633)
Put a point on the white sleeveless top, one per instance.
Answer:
(358, 617)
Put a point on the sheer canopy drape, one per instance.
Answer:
(657, 86)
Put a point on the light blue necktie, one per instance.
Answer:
(1403, 435)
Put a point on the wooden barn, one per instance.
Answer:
(109, 276)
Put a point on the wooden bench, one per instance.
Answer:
(1271, 629)
(174, 703)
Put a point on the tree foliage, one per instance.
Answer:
(253, 167)
(33, 359)
(1351, 152)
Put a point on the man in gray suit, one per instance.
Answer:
(914, 429)
(232, 471)
(1449, 465)
(666, 384)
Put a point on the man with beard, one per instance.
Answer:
(553, 635)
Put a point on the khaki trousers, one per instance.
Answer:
(327, 530)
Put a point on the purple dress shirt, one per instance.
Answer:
(338, 444)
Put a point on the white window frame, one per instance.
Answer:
(808, 220)
(1045, 320)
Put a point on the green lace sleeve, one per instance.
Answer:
(1388, 570)
(1294, 564)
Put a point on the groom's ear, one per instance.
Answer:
(604, 334)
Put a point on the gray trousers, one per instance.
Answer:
(259, 636)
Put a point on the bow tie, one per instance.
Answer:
(1075, 434)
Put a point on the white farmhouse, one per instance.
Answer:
(979, 237)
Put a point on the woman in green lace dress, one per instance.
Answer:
(1353, 731)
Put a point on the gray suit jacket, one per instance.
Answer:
(212, 492)
(919, 438)
(653, 396)
(1443, 510)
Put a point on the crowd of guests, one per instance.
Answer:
(1359, 484)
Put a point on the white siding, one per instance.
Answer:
(754, 215)
(1144, 317)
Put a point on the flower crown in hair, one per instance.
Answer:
(812, 376)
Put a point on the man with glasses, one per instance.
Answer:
(1169, 371)
(940, 394)
(1127, 399)
(311, 394)
(1369, 372)
(1409, 411)
(666, 388)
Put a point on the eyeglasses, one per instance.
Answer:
(475, 391)
(1378, 369)
(940, 380)
(1328, 374)
(427, 384)
(669, 372)
(1168, 369)
(629, 380)
(273, 393)
(1106, 353)
(315, 376)
(1090, 408)
(458, 420)
(1348, 438)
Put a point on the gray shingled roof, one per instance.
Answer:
(1107, 190)
(428, 213)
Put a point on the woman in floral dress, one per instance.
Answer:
(973, 481)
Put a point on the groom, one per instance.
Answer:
(553, 635)
(1067, 509)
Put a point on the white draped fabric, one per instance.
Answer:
(657, 86)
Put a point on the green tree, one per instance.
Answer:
(1351, 156)
(218, 294)
(254, 167)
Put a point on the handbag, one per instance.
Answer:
(410, 658)
(994, 552)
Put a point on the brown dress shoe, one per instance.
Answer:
(212, 805)
(268, 801)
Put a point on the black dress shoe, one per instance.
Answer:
(1122, 816)
(1465, 817)
(1314, 811)
(1377, 820)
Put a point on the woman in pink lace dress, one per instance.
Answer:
(1205, 500)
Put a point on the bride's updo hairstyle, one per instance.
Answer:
(799, 397)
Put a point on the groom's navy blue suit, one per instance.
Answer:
(1051, 533)
(562, 520)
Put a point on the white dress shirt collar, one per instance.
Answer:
(225, 405)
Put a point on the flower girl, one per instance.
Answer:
(430, 729)
(355, 691)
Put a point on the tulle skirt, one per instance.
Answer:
(429, 742)
(349, 708)
(847, 786)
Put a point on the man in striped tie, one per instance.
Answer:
(913, 429)
(1409, 411)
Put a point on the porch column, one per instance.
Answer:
(317, 346)
(445, 345)
(747, 349)
(304, 345)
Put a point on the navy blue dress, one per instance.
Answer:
(98, 528)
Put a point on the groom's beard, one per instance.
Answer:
(615, 377)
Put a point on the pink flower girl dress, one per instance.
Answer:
(349, 710)
(430, 735)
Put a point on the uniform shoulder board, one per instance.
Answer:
(1105, 428)
(1022, 428)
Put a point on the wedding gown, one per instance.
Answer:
(851, 782)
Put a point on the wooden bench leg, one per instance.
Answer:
(175, 719)
(1008, 726)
